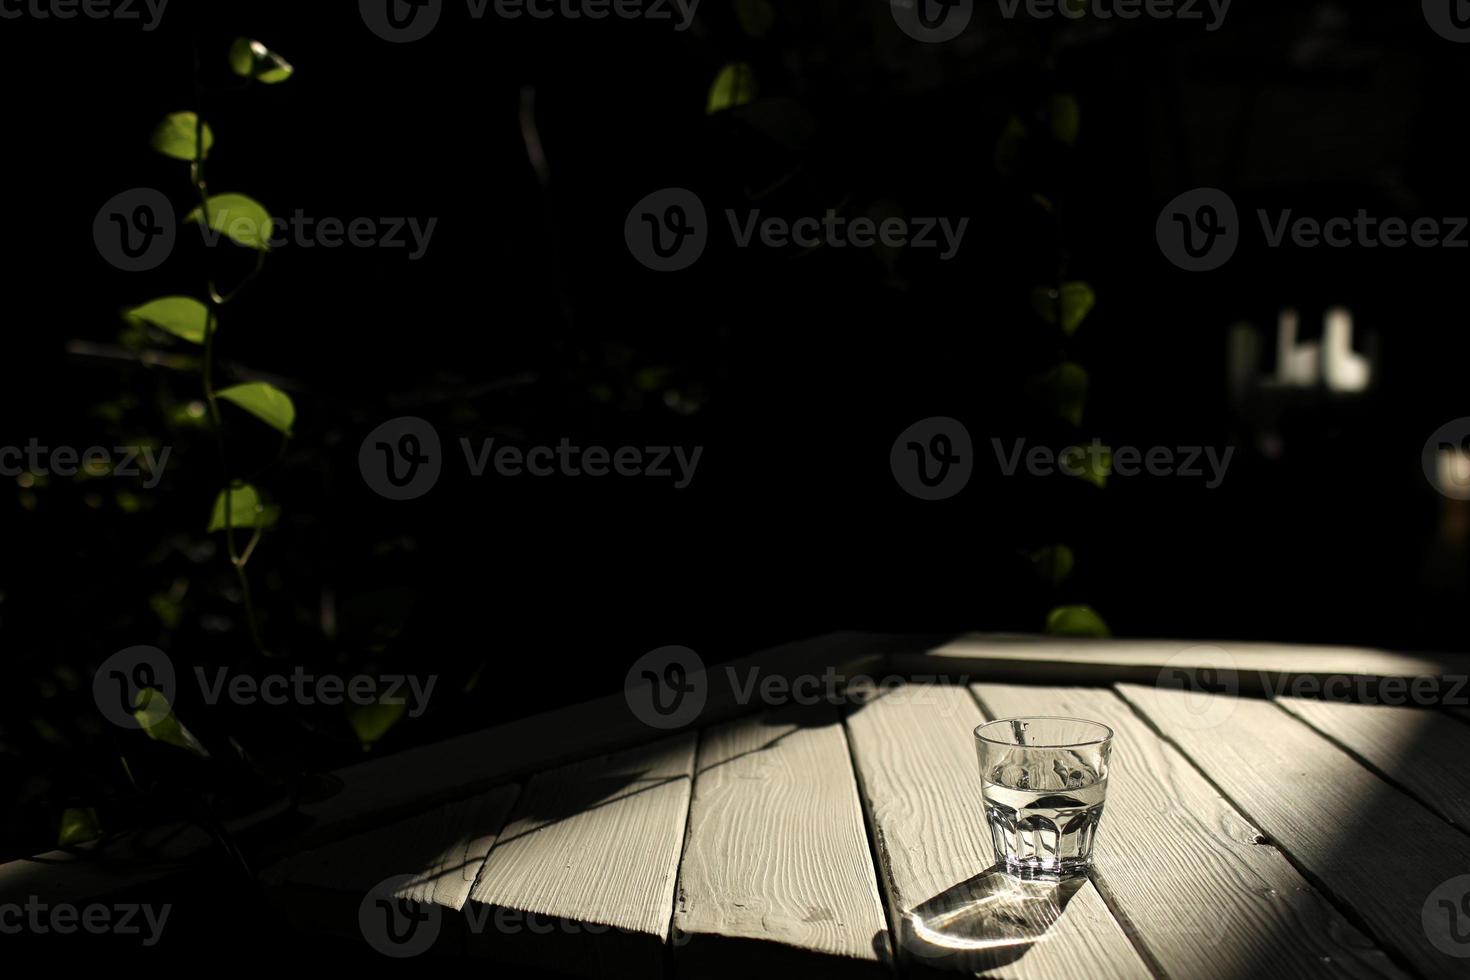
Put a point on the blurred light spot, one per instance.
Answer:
(1454, 470)
(1342, 368)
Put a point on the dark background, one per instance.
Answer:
(528, 321)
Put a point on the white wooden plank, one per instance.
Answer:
(1358, 839)
(1258, 667)
(1152, 654)
(591, 854)
(777, 871)
(404, 782)
(439, 852)
(1192, 880)
(914, 751)
(431, 859)
(1424, 751)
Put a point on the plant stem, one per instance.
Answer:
(211, 326)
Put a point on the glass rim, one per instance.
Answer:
(1047, 745)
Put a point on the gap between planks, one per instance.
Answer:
(1198, 888)
(1419, 751)
(1381, 857)
(777, 872)
(950, 909)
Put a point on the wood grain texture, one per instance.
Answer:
(593, 844)
(1374, 849)
(1196, 885)
(403, 782)
(1258, 667)
(408, 781)
(431, 859)
(1423, 750)
(777, 862)
(915, 756)
(438, 853)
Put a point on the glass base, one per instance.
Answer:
(1034, 869)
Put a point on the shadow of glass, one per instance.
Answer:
(984, 923)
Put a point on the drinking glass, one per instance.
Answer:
(1044, 782)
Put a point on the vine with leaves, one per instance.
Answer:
(238, 507)
(1037, 151)
(187, 136)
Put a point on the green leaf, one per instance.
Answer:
(178, 136)
(78, 825)
(734, 86)
(1074, 300)
(372, 721)
(1063, 390)
(1096, 465)
(247, 511)
(183, 316)
(756, 17)
(1053, 564)
(251, 59)
(1066, 118)
(157, 717)
(237, 217)
(1076, 621)
(266, 402)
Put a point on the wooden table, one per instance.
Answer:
(1243, 836)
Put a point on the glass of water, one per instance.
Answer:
(1044, 781)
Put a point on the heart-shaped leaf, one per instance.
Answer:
(237, 217)
(372, 721)
(1063, 390)
(266, 402)
(1066, 118)
(1076, 621)
(247, 511)
(157, 718)
(1091, 463)
(1072, 303)
(178, 136)
(183, 316)
(734, 86)
(78, 826)
(251, 59)
(1053, 563)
